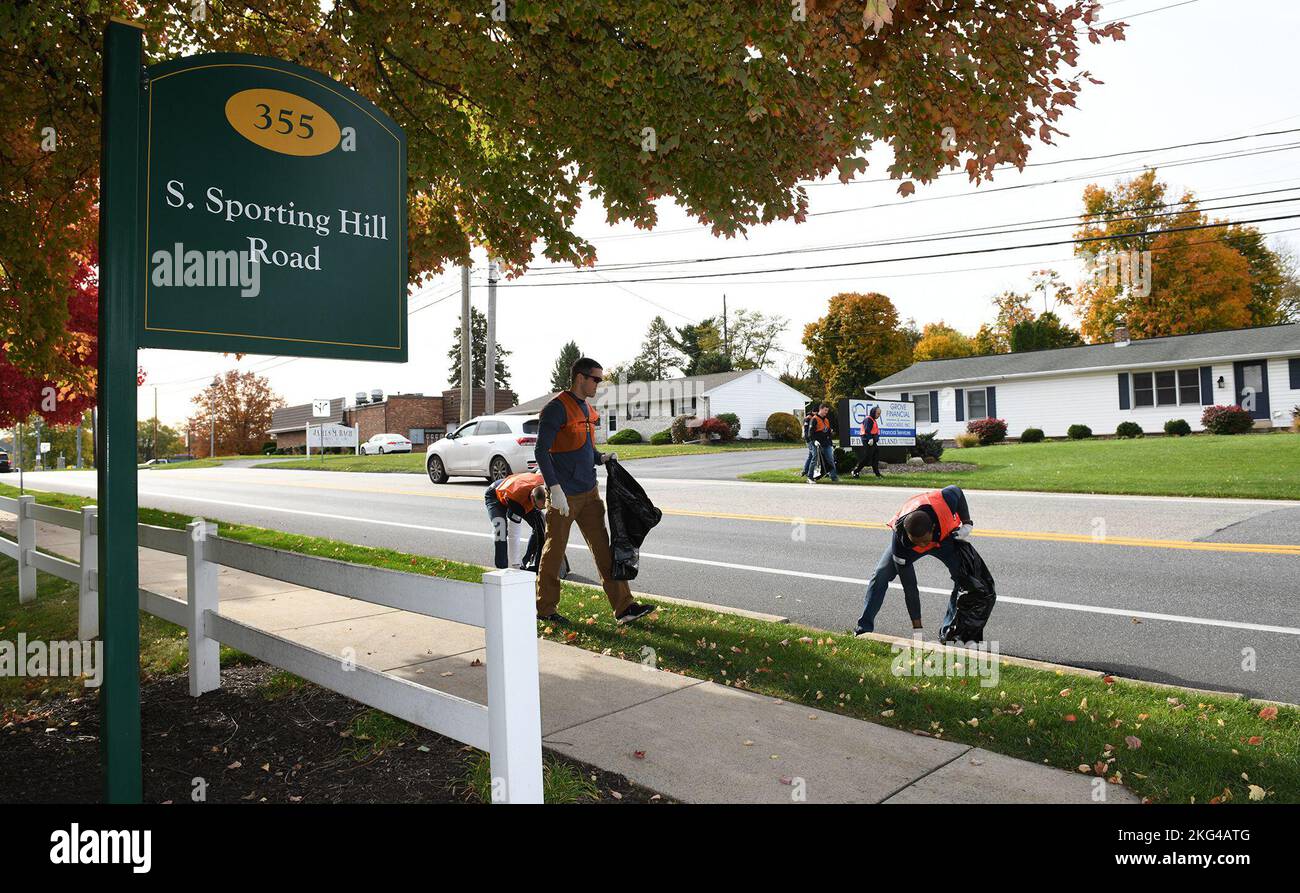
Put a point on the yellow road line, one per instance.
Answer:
(1040, 536)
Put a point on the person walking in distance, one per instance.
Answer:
(823, 433)
(810, 464)
(567, 458)
(870, 449)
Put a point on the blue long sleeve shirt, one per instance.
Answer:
(574, 471)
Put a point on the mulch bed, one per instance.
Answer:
(890, 468)
(295, 747)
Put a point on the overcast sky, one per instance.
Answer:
(1200, 70)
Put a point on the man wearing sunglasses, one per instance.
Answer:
(567, 458)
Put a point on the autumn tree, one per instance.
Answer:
(241, 403)
(513, 119)
(562, 371)
(1044, 333)
(940, 341)
(857, 343)
(1151, 271)
(478, 361)
(751, 336)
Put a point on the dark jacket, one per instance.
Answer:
(974, 594)
(631, 515)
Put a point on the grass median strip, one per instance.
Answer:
(1247, 466)
(1166, 745)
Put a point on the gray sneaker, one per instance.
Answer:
(634, 612)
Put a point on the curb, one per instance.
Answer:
(1075, 671)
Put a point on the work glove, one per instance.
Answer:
(963, 532)
(555, 496)
(606, 457)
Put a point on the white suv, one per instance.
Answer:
(489, 446)
(385, 443)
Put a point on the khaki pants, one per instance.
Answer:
(589, 511)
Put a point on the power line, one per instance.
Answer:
(971, 232)
(859, 263)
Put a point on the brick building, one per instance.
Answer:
(420, 418)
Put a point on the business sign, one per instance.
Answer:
(274, 213)
(897, 422)
(327, 436)
(320, 409)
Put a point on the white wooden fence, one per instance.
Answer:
(508, 727)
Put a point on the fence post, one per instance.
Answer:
(201, 591)
(26, 543)
(514, 698)
(88, 596)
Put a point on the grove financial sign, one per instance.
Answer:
(275, 213)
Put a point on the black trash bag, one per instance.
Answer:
(974, 596)
(631, 516)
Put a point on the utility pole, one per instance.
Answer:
(466, 351)
(490, 357)
(726, 342)
(212, 416)
(80, 421)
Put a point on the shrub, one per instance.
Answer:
(1031, 435)
(1079, 432)
(988, 430)
(844, 460)
(1177, 428)
(627, 435)
(928, 446)
(679, 430)
(713, 427)
(784, 427)
(659, 438)
(268, 448)
(1128, 430)
(966, 440)
(733, 425)
(1226, 420)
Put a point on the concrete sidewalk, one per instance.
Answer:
(698, 741)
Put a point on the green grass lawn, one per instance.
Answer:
(192, 463)
(1169, 745)
(413, 463)
(1254, 466)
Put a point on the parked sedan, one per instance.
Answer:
(491, 447)
(4, 463)
(385, 443)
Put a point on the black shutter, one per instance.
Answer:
(934, 407)
(961, 405)
(993, 403)
(1294, 366)
(1207, 384)
(1123, 390)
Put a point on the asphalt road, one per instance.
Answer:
(1196, 592)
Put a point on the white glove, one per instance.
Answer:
(555, 496)
(605, 457)
(898, 561)
(963, 532)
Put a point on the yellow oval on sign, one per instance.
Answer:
(282, 122)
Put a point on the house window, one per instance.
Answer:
(922, 409)
(977, 404)
(1168, 387)
(613, 422)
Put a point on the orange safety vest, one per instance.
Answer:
(870, 427)
(823, 424)
(578, 425)
(518, 488)
(948, 522)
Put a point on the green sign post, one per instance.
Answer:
(248, 205)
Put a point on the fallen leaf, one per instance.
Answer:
(1256, 792)
(1255, 741)
(639, 754)
(1266, 714)
(1070, 717)
(1133, 742)
(235, 765)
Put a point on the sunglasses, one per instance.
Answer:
(596, 378)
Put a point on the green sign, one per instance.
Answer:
(275, 213)
(246, 205)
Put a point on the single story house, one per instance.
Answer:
(1100, 385)
(651, 406)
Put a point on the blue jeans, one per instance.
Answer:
(828, 460)
(810, 464)
(887, 569)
